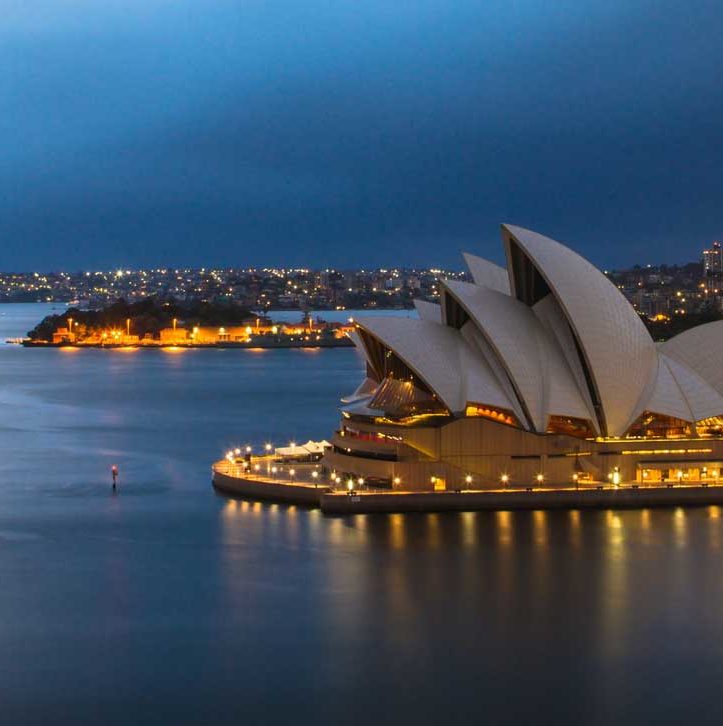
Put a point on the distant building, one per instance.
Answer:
(713, 260)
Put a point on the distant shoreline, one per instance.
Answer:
(266, 345)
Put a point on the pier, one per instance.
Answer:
(302, 487)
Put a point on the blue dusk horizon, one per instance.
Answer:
(345, 134)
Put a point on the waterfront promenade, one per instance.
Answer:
(266, 479)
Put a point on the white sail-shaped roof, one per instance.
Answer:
(554, 339)
(540, 376)
(553, 320)
(428, 310)
(482, 349)
(441, 358)
(616, 348)
(487, 273)
(700, 349)
(666, 397)
(703, 400)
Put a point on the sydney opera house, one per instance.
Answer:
(535, 375)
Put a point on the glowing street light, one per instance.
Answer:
(505, 480)
(397, 481)
(350, 485)
(361, 481)
(540, 478)
(468, 479)
(291, 474)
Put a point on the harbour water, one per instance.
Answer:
(168, 603)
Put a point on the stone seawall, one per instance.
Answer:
(338, 503)
(268, 491)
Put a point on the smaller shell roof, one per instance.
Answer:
(528, 353)
(701, 349)
(667, 397)
(703, 400)
(428, 311)
(486, 273)
(441, 358)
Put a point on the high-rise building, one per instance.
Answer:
(713, 260)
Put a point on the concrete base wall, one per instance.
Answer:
(332, 503)
(268, 491)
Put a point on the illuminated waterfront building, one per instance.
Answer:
(540, 373)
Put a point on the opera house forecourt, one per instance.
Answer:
(538, 378)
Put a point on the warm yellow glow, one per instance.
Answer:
(478, 409)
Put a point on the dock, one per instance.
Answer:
(235, 480)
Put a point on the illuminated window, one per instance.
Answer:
(710, 427)
(571, 426)
(401, 398)
(500, 415)
(650, 425)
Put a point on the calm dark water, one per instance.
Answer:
(170, 604)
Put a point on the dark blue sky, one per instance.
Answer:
(144, 132)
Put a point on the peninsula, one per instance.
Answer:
(152, 323)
